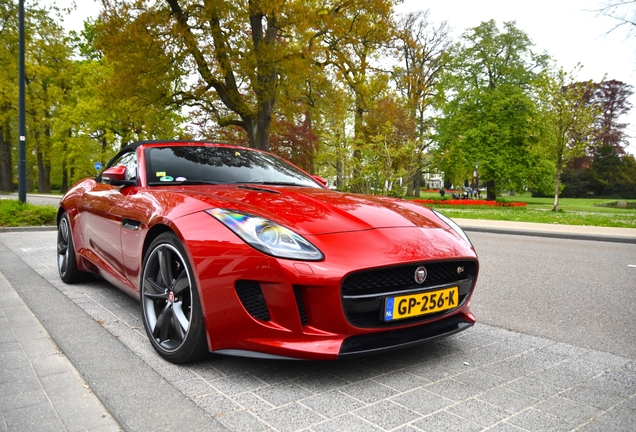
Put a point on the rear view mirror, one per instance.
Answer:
(116, 176)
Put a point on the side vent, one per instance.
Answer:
(251, 296)
(301, 306)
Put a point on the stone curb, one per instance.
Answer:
(561, 235)
(28, 228)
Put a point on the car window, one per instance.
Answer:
(179, 164)
(129, 160)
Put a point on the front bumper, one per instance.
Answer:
(259, 306)
(372, 343)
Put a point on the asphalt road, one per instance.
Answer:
(578, 292)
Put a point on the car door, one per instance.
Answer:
(101, 213)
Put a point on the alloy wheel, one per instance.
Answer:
(167, 297)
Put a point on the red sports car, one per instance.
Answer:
(235, 251)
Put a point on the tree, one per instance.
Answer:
(612, 173)
(487, 111)
(421, 48)
(8, 89)
(612, 98)
(239, 51)
(46, 61)
(295, 142)
(626, 183)
(622, 11)
(567, 122)
(47, 74)
(389, 153)
(354, 35)
(604, 171)
(103, 105)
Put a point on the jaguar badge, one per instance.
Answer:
(420, 274)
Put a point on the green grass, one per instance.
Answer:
(573, 211)
(14, 213)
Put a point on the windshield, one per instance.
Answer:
(210, 164)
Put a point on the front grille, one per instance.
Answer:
(364, 293)
(251, 296)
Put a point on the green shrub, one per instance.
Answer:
(15, 213)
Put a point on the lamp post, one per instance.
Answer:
(21, 109)
(476, 175)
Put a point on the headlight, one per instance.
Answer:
(451, 223)
(267, 236)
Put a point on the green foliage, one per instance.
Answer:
(347, 90)
(14, 213)
(611, 175)
(576, 183)
(540, 176)
(8, 91)
(389, 149)
(488, 114)
(567, 122)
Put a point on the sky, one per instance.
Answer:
(568, 30)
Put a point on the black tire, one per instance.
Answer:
(66, 261)
(170, 305)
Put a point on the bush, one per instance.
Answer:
(576, 184)
(15, 213)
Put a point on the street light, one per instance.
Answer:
(21, 109)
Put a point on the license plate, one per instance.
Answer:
(412, 305)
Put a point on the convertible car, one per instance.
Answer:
(235, 251)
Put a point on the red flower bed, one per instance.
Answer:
(471, 203)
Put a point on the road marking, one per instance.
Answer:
(631, 265)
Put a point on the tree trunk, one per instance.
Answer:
(44, 161)
(6, 167)
(491, 193)
(64, 186)
(44, 174)
(65, 181)
(356, 183)
(416, 184)
(556, 189)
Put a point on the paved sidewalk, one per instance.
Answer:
(39, 388)
(483, 379)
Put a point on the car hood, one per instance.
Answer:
(316, 211)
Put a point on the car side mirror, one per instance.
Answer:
(116, 176)
(320, 180)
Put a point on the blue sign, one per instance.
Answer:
(98, 166)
